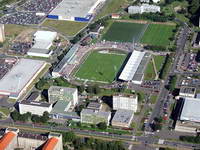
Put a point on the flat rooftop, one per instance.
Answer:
(57, 93)
(19, 76)
(74, 8)
(35, 103)
(123, 116)
(94, 112)
(191, 111)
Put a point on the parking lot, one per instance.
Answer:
(189, 62)
(22, 18)
(5, 66)
(44, 6)
(20, 47)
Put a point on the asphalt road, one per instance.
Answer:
(181, 41)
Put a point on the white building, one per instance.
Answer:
(126, 103)
(18, 80)
(2, 33)
(187, 92)
(75, 10)
(34, 107)
(59, 93)
(43, 40)
(144, 8)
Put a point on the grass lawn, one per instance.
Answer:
(159, 60)
(4, 110)
(124, 32)
(153, 99)
(101, 66)
(111, 6)
(171, 9)
(69, 28)
(149, 73)
(12, 30)
(158, 35)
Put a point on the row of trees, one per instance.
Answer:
(16, 116)
(172, 83)
(192, 139)
(157, 17)
(89, 143)
(165, 66)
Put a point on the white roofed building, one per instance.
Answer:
(43, 40)
(189, 115)
(144, 8)
(20, 77)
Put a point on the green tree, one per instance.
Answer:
(102, 125)
(81, 88)
(69, 136)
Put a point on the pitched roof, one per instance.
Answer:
(6, 140)
(50, 144)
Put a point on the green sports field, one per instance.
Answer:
(158, 34)
(124, 32)
(101, 66)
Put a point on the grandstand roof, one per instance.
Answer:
(132, 66)
(6, 140)
(50, 144)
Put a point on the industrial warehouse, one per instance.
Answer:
(75, 10)
(15, 82)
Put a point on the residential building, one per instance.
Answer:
(2, 33)
(34, 107)
(92, 116)
(115, 16)
(43, 40)
(127, 103)
(187, 92)
(123, 118)
(144, 8)
(59, 93)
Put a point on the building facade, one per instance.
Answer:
(34, 107)
(126, 103)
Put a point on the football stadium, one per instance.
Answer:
(75, 10)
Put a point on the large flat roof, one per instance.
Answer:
(74, 8)
(191, 111)
(20, 74)
(123, 116)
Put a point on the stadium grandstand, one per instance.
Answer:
(134, 69)
(75, 10)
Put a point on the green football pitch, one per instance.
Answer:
(158, 34)
(124, 32)
(101, 66)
